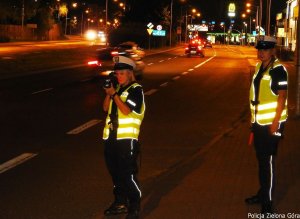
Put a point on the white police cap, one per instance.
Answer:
(265, 42)
(122, 62)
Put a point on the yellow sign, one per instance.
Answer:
(150, 31)
(296, 11)
(231, 10)
(231, 7)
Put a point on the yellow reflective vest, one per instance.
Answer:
(128, 125)
(264, 112)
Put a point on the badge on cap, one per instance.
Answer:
(116, 59)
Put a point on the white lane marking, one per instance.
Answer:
(175, 57)
(7, 57)
(169, 58)
(184, 73)
(41, 91)
(164, 84)
(175, 78)
(191, 69)
(161, 60)
(84, 127)
(151, 63)
(202, 63)
(149, 92)
(16, 161)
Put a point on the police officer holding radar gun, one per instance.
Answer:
(268, 104)
(124, 103)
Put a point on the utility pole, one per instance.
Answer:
(298, 64)
(268, 15)
(23, 14)
(171, 18)
(106, 17)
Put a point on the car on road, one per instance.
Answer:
(194, 48)
(207, 43)
(103, 63)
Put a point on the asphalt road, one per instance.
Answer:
(51, 130)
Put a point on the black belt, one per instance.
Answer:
(254, 103)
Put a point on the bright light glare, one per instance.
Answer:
(91, 35)
(102, 36)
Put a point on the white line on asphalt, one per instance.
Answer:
(202, 63)
(175, 57)
(169, 58)
(161, 60)
(150, 63)
(84, 127)
(149, 92)
(16, 161)
(40, 91)
(164, 84)
(184, 73)
(7, 57)
(175, 78)
(191, 69)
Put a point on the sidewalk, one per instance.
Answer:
(224, 173)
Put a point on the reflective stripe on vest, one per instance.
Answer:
(266, 108)
(128, 125)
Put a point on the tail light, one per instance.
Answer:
(114, 53)
(94, 62)
(186, 48)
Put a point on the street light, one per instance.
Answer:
(171, 19)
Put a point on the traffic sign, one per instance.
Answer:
(159, 33)
(150, 31)
(150, 25)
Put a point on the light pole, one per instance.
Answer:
(106, 16)
(298, 65)
(171, 19)
(23, 14)
(268, 16)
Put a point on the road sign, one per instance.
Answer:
(150, 31)
(150, 25)
(159, 33)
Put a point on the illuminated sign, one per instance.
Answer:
(159, 33)
(296, 10)
(231, 10)
(278, 16)
(150, 25)
(280, 32)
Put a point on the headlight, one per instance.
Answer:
(91, 35)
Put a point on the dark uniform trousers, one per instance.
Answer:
(266, 149)
(121, 160)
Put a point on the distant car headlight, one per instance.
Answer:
(91, 35)
(101, 36)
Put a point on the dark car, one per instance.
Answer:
(207, 43)
(103, 63)
(194, 49)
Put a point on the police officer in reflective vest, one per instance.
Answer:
(268, 104)
(126, 107)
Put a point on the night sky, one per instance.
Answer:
(210, 9)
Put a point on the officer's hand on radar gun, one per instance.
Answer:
(110, 91)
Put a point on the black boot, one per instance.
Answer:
(133, 214)
(267, 208)
(116, 208)
(253, 200)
